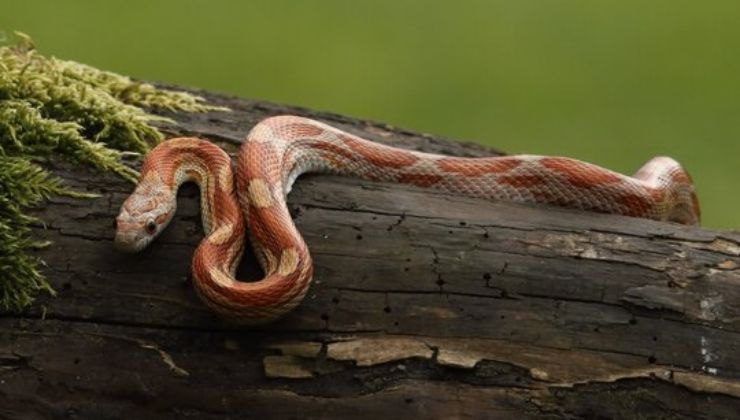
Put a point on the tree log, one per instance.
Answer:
(423, 305)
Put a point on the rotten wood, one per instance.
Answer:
(423, 305)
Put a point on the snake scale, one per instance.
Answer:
(251, 197)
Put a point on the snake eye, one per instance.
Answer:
(115, 223)
(151, 227)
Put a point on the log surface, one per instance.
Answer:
(423, 305)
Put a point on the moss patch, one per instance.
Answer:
(57, 107)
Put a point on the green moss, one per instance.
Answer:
(57, 107)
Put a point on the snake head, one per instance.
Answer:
(144, 214)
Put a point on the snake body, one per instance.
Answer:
(279, 149)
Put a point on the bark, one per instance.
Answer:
(423, 305)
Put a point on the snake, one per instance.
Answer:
(248, 199)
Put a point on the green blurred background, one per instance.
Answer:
(614, 83)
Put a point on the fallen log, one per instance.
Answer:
(423, 304)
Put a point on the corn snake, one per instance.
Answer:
(279, 149)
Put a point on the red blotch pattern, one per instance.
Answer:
(472, 168)
(378, 154)
(332, 148)
(295, 129)
(580, 174)
(634, 205)
(522, 181)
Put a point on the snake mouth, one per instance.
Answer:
(128, 242)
